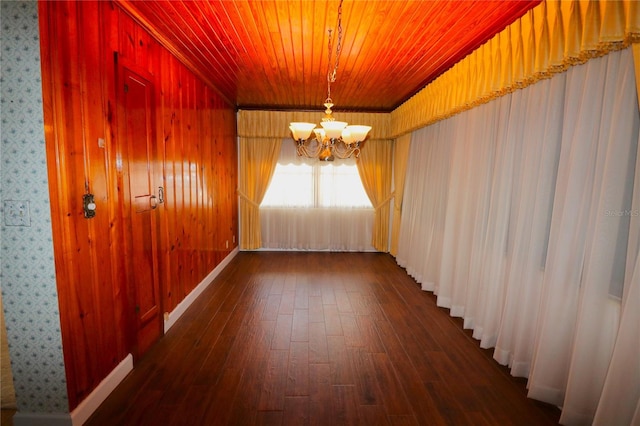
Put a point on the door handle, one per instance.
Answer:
(153, 201)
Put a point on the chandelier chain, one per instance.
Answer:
(331, 74)
(335, 138)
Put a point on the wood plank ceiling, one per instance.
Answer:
(272, 54)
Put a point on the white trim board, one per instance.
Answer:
(85, 409)
(171, 318)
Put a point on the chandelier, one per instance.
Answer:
(335, 138)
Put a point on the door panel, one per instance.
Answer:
(139, 156)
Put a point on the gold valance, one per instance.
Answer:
(547, 40)
(275, 124)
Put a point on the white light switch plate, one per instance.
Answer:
(16, 213)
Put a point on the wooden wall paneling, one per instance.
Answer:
(108, 23)
(58, 162)
(196, 164)
(77, 291)
(200, 159)
(94, 114)
(222, 157)
(230, 171)
(205, 164)
(75, 113)
(175, 160)
(125, 51)
(196, 174)
(218, 185)
(126, 37)
(165, 129)
(186, 184)
(210, 185)
(155, 58)
(178, 161)
(140, 57)
(192, 146)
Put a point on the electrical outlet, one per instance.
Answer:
(16, 213)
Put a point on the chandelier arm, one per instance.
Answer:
(309, 148)
(342, 150)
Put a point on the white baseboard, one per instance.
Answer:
(85, 409)
(172, 317)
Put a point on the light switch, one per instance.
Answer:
(16, 213)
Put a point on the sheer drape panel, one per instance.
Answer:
(589, 237)
(424, 203)
(258, 159)
(317, 229)
(400, 157)
(375, 166)
(521, 215)
(529, 221)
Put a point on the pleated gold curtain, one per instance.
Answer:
(400, 158)
(258, 160)
(547, 40)
(375, 166)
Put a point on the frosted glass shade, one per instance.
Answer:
(358, 133)
(333, 129)
(301, 130)
(347, 137)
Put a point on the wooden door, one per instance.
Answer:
(135, 91)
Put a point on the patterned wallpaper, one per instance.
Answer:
(27, 271)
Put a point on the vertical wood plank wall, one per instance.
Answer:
(197, 166)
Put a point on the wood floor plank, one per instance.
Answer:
(340, 362)
(367, 386)
(316, 309)
(370, 334)
(287, 303)
(296, 411)
(320, 339)
(300, 326)
(352, 333)
(272, 396)
(298, 370)
(318, 348)
(320, 404)
(282, 335)
(332, 322)
(345, 405)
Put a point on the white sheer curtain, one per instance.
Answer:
(315, 206)
(522, 216)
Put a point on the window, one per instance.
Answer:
(313, 205)
(301, 182)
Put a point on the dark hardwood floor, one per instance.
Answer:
(320, 339)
